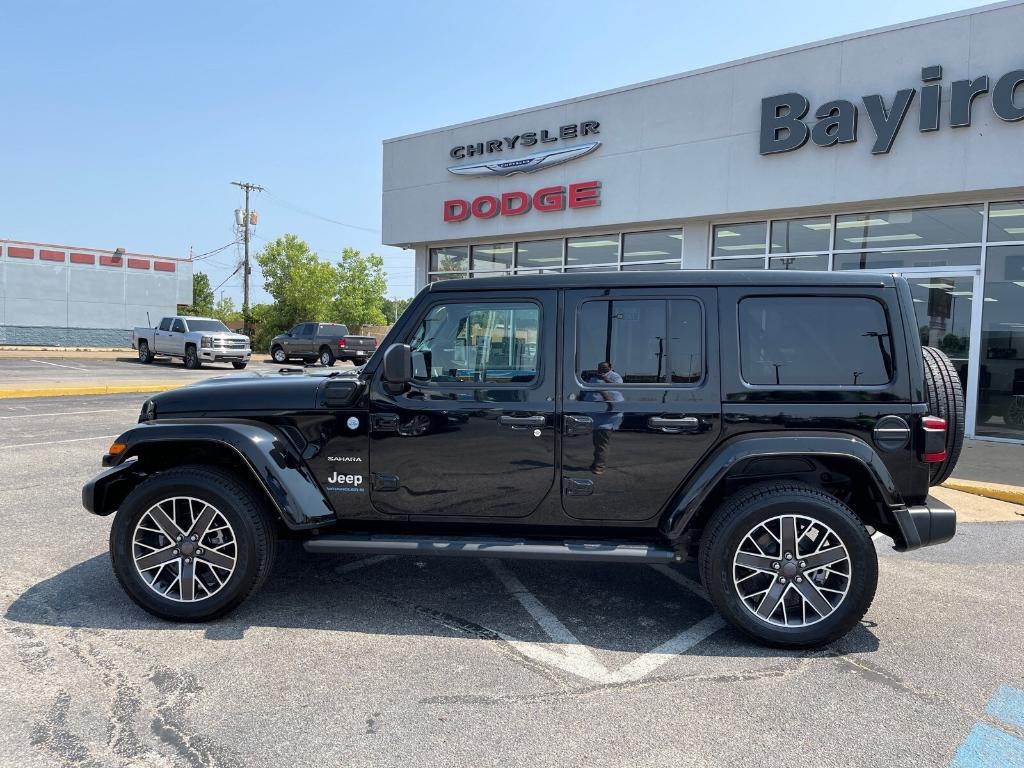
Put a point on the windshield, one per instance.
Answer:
(207, 325)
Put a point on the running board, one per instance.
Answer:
(521, 549)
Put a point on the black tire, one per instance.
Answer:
(243, 509)
(326, 357)
(358, 361)
(946, 400)
(740, 514)
(279, 355)
(239, 366)
(145, 355)
(192, 361)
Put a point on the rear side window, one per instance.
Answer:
(306, 330)
(818, 341)
(646, 341)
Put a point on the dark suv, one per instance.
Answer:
(763, 424)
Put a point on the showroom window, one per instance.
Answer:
(492, 258)
(647, 251)
(654, 250)
(943, 236)
(598, 250)
(1001, 378)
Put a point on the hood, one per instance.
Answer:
(247, 392)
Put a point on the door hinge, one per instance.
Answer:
(385, 482)
(384, 422)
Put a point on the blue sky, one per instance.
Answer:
(124, 122)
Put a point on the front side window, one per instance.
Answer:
(477, 343)
(814, 341)
(646, 341)
(165, 324)
(178, 326)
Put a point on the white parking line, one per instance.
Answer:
(70, 413)
(577, 659)
(59, 365)
(59, 442)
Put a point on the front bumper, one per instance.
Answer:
(112, 483)
(221, 354)
(925, 525)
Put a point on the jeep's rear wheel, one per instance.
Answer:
(789, 565)
(192, 543)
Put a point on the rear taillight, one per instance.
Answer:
(934, 439)
(341, 342)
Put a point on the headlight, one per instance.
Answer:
(148, 411)
(206, 342)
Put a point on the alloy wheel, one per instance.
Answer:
(792, 571)
(280, 356)
(184, 549)
(325, 358)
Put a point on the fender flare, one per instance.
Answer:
(274, 462)
(715, 468)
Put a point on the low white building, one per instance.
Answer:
(898, 149)
(68, 296)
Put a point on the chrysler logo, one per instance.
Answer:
(526, 164)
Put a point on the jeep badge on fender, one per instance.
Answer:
(761, 424)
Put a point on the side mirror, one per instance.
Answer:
(397, 364)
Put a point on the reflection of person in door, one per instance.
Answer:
(607, 422)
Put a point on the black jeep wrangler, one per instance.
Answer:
(765, 424)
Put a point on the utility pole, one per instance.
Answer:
(247, 187)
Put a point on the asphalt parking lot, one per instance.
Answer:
(398, 661)
(40, 371)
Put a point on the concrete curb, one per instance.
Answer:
(99, 389)
(1011, 493)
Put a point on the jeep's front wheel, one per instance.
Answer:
(190, 544)
(789, 565)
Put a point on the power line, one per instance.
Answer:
(228, 278)
(213, 252)
(328, 219)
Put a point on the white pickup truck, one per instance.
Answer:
(194, 339)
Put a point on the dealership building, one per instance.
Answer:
(59, 295)
(894, 150)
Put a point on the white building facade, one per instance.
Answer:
(896, 150)
(58, 295)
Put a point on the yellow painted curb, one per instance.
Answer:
(1010, 493)
(99, 389)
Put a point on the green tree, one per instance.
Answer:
(224, 310)
(361, 287)
(202, 296)
(394, 308)
(302, 284)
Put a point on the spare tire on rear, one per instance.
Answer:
(946, 400)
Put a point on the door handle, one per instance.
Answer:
(578, 425)
(682, 424)
(522, 421)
